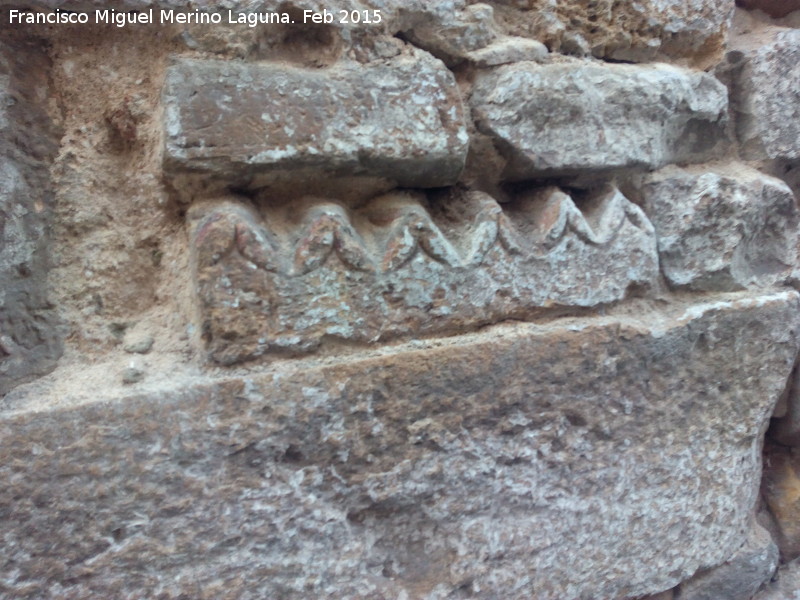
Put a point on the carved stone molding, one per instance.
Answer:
(401, 267)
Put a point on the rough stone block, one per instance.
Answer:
(722, 229)
(786, 585)
(766, 97)
(397, 267)
(741, 576)
(29, 338)
(562, 461)
(564, 118)
(400, 119)
(633, 31)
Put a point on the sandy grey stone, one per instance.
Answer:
(30, 341)
(521, 463)
(564, 118)
(508, 50)
(633, 31)
(398, 267)
(786, 585)
(740, 576)
(138, 344)
(766, 96)
(399, 119)
(132, 375)
(722, 229)
(454, 37)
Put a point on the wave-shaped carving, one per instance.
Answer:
(399, 226)
(398, 265)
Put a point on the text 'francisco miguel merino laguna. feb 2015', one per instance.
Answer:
(151, 16)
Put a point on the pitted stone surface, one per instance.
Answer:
(521, 463)
(561, 119)
(633, 31)
(741, 576)
(398, 268)
(29, 339)
(400, 119)
(766, 97)
(786, 585)
(722, 229)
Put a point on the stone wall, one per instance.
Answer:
(400, 300)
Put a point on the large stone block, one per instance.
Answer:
(566, 118)
(398, 268)
(609, 457)
(400, 119)
(766, 96)
(29, 339)
(723, 229)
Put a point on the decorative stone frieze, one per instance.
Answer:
(402, 267)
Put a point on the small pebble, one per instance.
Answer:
(139, 346)
(132, 375)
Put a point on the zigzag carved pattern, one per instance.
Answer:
(399, 226)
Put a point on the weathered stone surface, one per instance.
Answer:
(399, 119)
(29, 340)
(637, 31)
(786, 585)
(774, 8)
(522, 463)
(397, 268)
(781, 490)
(740, 576)
(766, 97)
(563, 118)
(508, 50)
(722, 229)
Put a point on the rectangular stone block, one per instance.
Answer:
(609, 457)
(722, 228)
(398, 267)
(400, 119)
(566, 118)
(766, 96)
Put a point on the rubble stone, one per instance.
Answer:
(635, 31)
